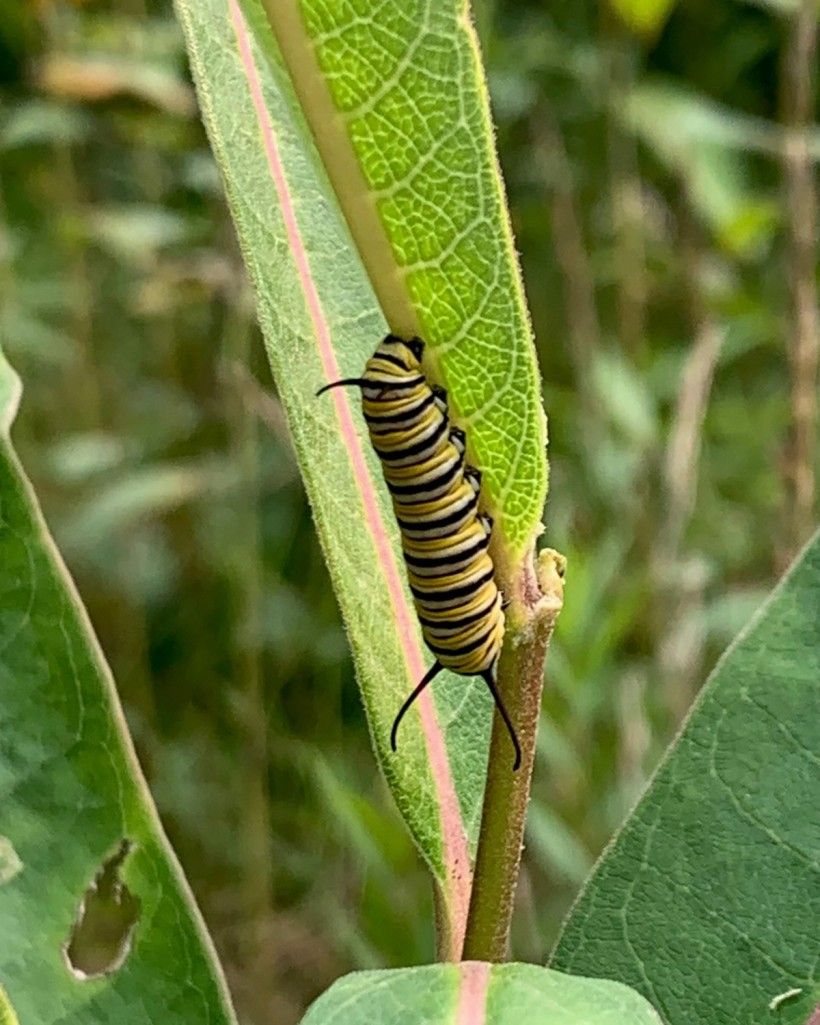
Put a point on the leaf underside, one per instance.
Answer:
(475, 993)
(321, 320)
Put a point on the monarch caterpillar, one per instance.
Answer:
(444, 537)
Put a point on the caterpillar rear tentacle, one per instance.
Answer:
(428, 677)
(489, 679)
(358, 381)
(435, 497)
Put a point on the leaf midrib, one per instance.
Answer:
(341, 164)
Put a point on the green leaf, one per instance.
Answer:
(81, 849)
(7, 1014)
(476, 993)
(555, 846)
(42, 122)
(707, 146)
(644, 17)
(406, 81)
(708, 900)
(430, 250)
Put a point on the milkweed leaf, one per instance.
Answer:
(717, 872)
(477, 993)
(74, 805)
(327, 292)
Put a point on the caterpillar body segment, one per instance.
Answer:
(435, 497)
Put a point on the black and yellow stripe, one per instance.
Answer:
(444, 537)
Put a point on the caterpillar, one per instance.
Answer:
(444, 537)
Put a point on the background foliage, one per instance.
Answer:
(641, 145)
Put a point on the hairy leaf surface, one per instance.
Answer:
(406, 80)
(708, 901)
(476, 993)
(319, 291)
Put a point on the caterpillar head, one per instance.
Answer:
(413, 348)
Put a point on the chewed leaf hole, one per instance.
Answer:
(108, 912)
(10, 865)
(7, 1015)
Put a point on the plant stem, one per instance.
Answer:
(626, 190)
(247, 588)
(531, 616)
(584, 330)
(804, 344)
(680, 576)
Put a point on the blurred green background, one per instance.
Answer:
(662, 224)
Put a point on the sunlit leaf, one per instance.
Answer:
(406, 82)
(644, 17)
(41, 122)
(706, 147)
(136, 232)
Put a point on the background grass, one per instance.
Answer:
(649, 198)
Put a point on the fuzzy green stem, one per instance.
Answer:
(530, 621)
(804, 342)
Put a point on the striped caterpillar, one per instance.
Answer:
(444, 537)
